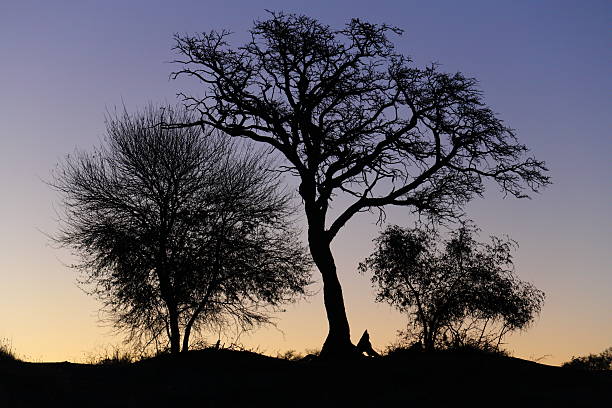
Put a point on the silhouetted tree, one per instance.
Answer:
(179, 232)
(353, 118)
(601, 361)
(459, 292)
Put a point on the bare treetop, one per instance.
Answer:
(350, 113)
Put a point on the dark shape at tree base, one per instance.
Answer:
(336, 350)
(364, 346)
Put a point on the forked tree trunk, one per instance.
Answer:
(338, 341)
(192, 320)
(173, 315)
(186, 336)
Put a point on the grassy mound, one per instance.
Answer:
(225, 378)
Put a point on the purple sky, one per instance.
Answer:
(544, 66)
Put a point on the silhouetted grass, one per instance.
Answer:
(404, 345)
(6, 351)
(113, 356)
(290, 355)
(293, 355)
(477, 349)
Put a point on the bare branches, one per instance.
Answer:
(353, 117)
(177, 231)
(345, 109)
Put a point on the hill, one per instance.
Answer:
(224, 378)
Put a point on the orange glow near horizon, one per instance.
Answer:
(55, 321)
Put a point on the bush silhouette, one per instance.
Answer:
(601, 361)
(457, 292)
(290, 355)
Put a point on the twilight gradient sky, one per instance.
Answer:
(544, 66)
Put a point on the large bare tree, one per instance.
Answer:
(353, 117)
(176, 232)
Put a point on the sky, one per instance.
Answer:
(543, 66)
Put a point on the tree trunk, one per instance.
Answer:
(173, 315)
(186, 336)
(191, 322)
(428, 339)
(175, 334)
(338, 342)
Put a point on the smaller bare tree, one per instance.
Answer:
(178, 233)
(458, 291)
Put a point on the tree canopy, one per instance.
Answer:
(178, 233)
(352, 117)
(457, 291)
(600, 361)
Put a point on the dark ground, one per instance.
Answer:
(223, 378)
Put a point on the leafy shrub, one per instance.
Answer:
(601, 361)
(457, 292)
